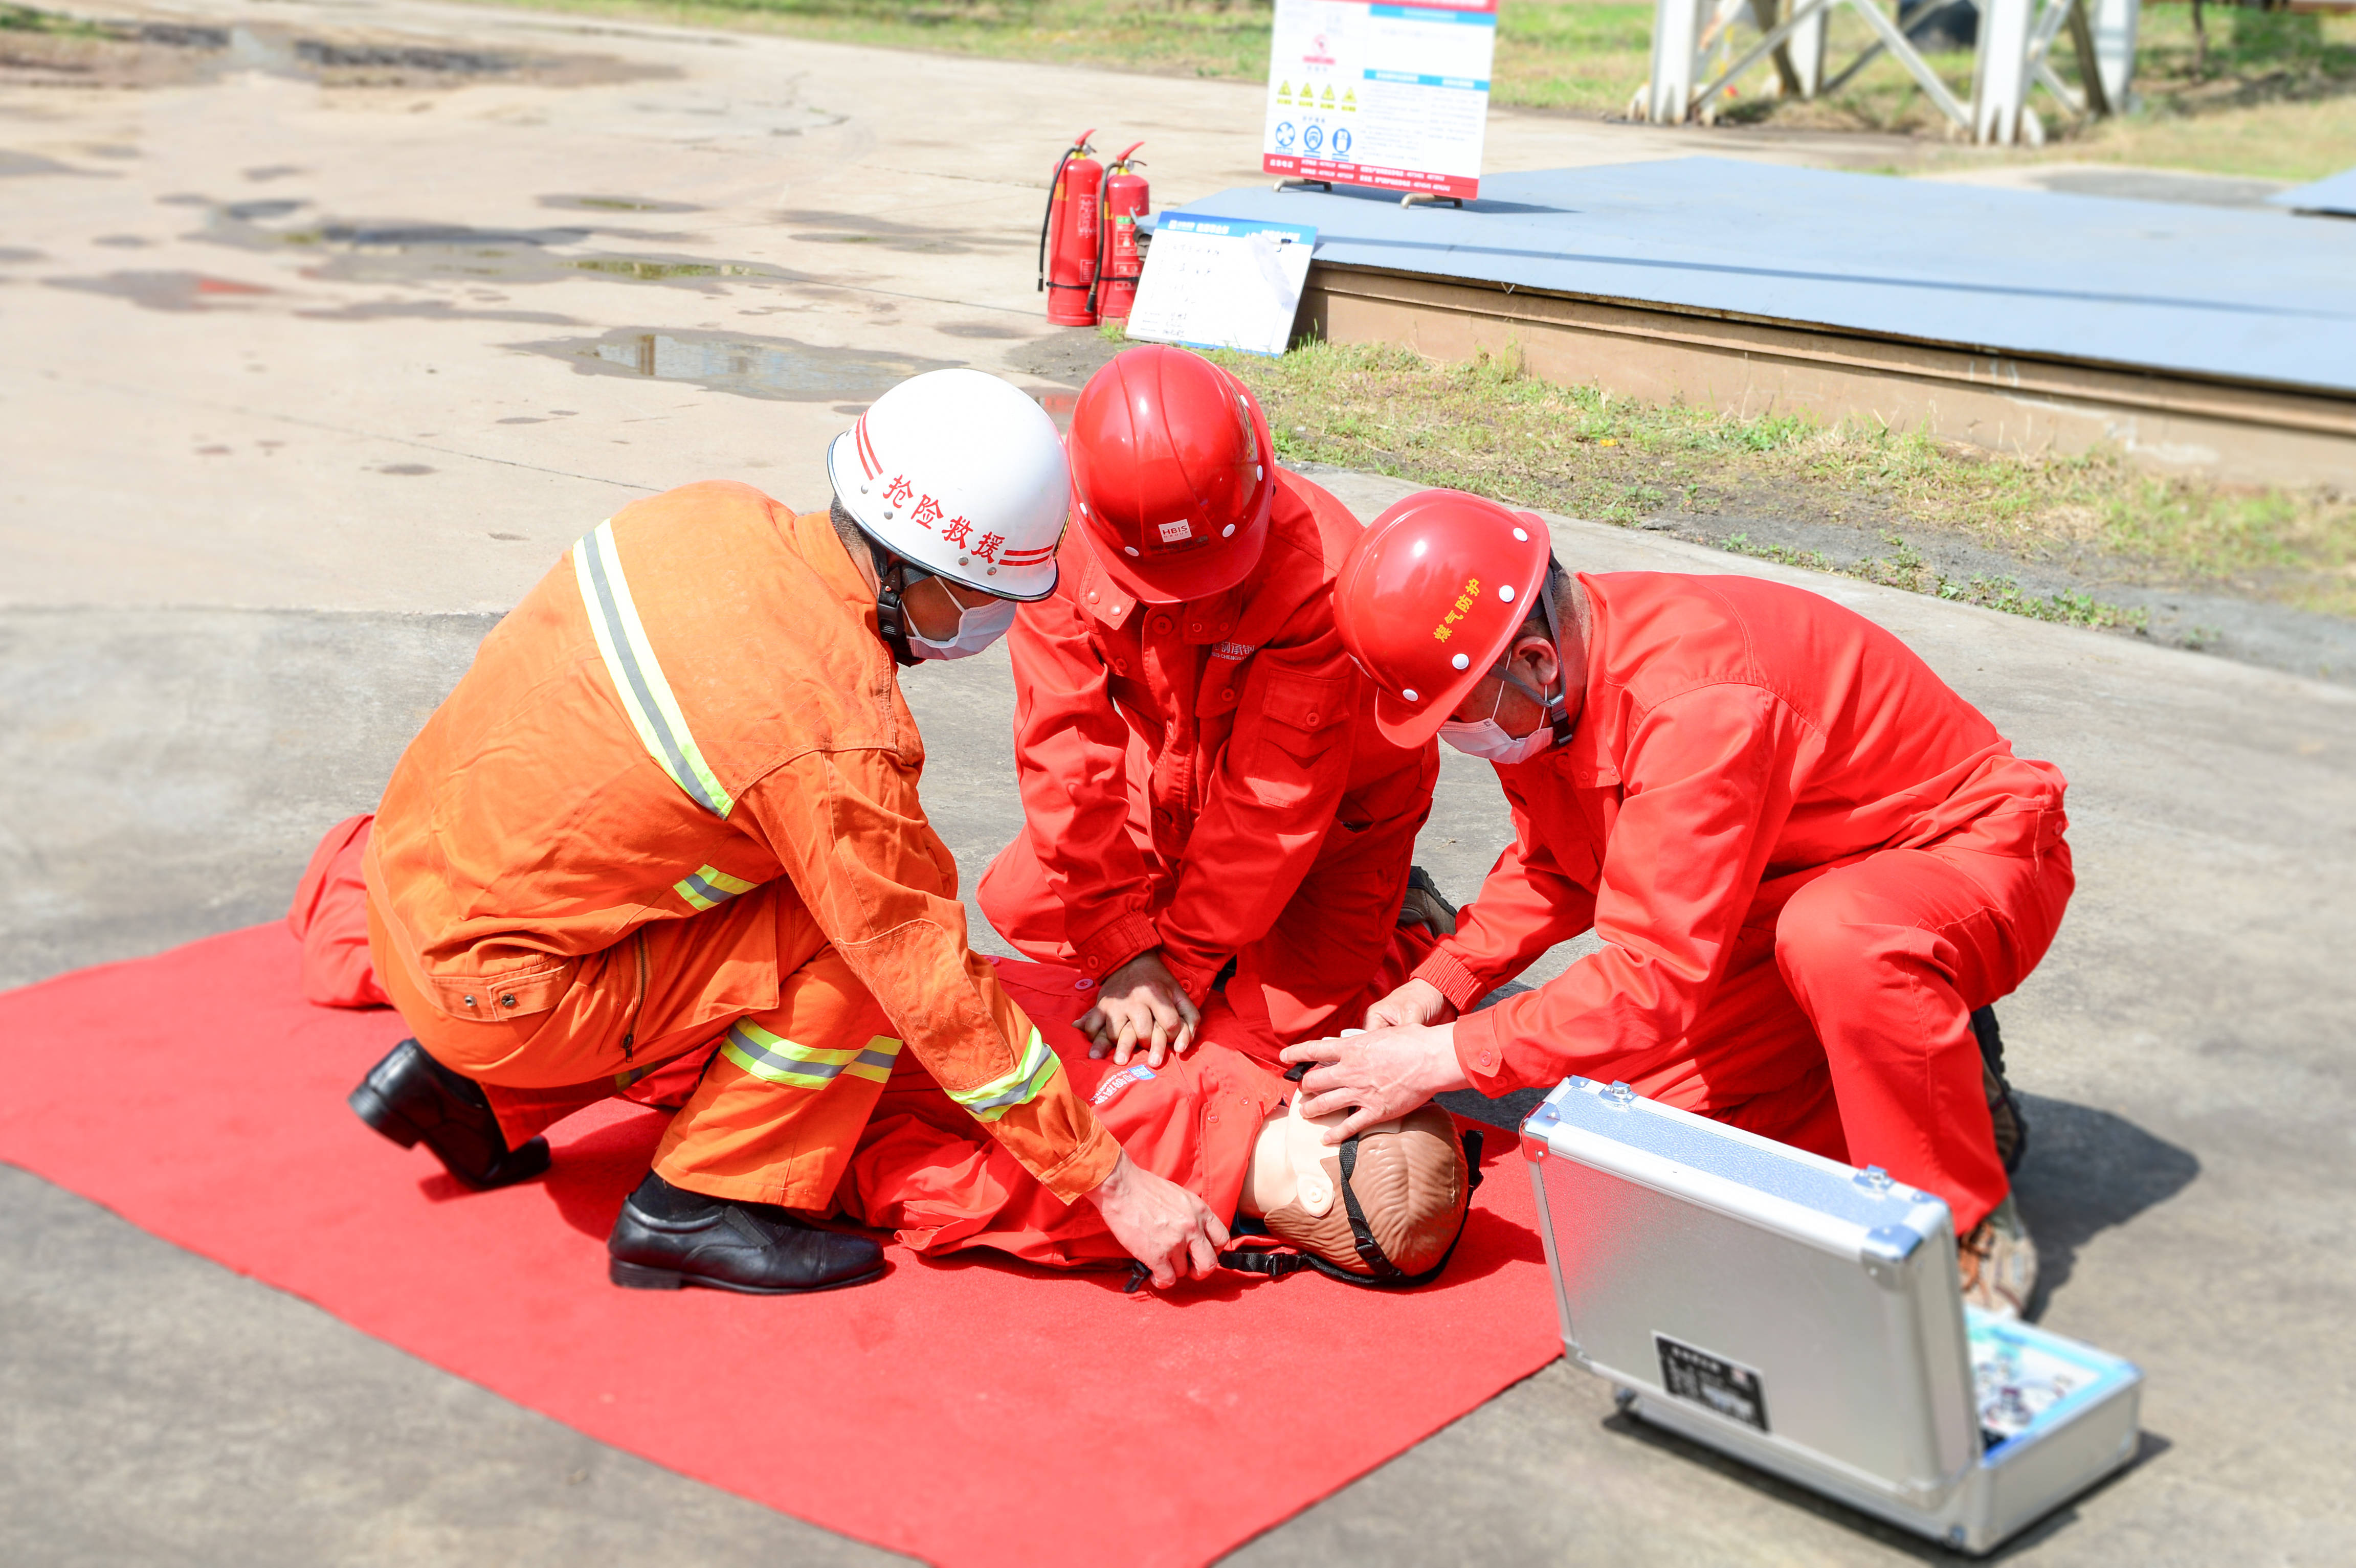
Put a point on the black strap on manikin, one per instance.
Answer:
(1386, 1275)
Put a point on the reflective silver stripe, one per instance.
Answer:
(776, 1059)
(711, 886)
(873, 1064)
(637, 674)
(780, 1060)
(988, 1102)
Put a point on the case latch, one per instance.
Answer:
(1885, 1251)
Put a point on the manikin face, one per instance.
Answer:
(1291, 1161)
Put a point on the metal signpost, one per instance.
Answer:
(2016, 44)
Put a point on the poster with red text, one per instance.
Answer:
(1391, 96)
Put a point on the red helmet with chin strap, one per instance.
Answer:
(1171, 473)
(1429, 598)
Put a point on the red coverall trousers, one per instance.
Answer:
(1869, 973)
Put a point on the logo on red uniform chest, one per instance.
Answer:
(1236, 651)
(1141, 1073)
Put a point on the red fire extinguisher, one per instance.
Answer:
(1069, 236)
(1127, 198)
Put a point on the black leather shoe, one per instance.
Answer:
(409, 1097)
(1425, 905)
(665, 1238)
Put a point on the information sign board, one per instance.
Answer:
(1391, 96)
(1222, 283)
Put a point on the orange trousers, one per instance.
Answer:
(778, 1079)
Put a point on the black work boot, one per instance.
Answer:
(410, 1096)
(667, 1237)
(2011, 1126)
(1424, 906)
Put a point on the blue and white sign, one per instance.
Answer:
(1392, 96)
(1222, 283)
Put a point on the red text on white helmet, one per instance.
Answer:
(962, 474)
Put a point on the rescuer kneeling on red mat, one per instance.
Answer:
(1206, 799)
(670, 818)
(1809, 862)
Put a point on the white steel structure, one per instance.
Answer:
(2015, 43)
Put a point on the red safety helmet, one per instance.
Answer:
(1172, 473)
(1429, 598)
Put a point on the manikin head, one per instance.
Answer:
(1409, 1179)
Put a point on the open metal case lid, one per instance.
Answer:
(1803, 1315)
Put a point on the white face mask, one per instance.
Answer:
(1488, 739)
(977, 626)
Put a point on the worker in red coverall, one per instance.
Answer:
(1808, 860)
(1203, 785)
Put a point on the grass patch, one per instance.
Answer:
(1905, 568)
(1487, 427)
(2275, 96)
(25, 19)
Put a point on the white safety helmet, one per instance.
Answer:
(962, 474)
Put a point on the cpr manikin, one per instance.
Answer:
(1408, 1178)
(1217, 1121)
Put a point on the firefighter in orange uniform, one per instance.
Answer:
(673, 809)
(1203, 785)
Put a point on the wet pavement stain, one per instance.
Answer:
(165, 291)
(775, 368)
(662, 271)
(616, 204)
(14, 163)
(435, 309)
(417, 252)
(862, 229)
(125, 54)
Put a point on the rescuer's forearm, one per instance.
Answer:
(852, 836)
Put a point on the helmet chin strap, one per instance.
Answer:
(1557, 709)
(891, 616)
(892, 581)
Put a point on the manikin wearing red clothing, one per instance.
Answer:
(1808, 859)
(1216, 1121)
(1203, 784)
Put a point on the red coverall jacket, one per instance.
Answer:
(1741, 742)
(1183, 770)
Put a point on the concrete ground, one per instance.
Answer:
(311, 371)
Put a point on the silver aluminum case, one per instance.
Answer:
(1836, 1287)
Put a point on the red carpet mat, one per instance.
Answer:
(968, 1411)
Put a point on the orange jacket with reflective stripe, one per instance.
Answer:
(694, 704)
(1258, 728)
(1738, 737)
